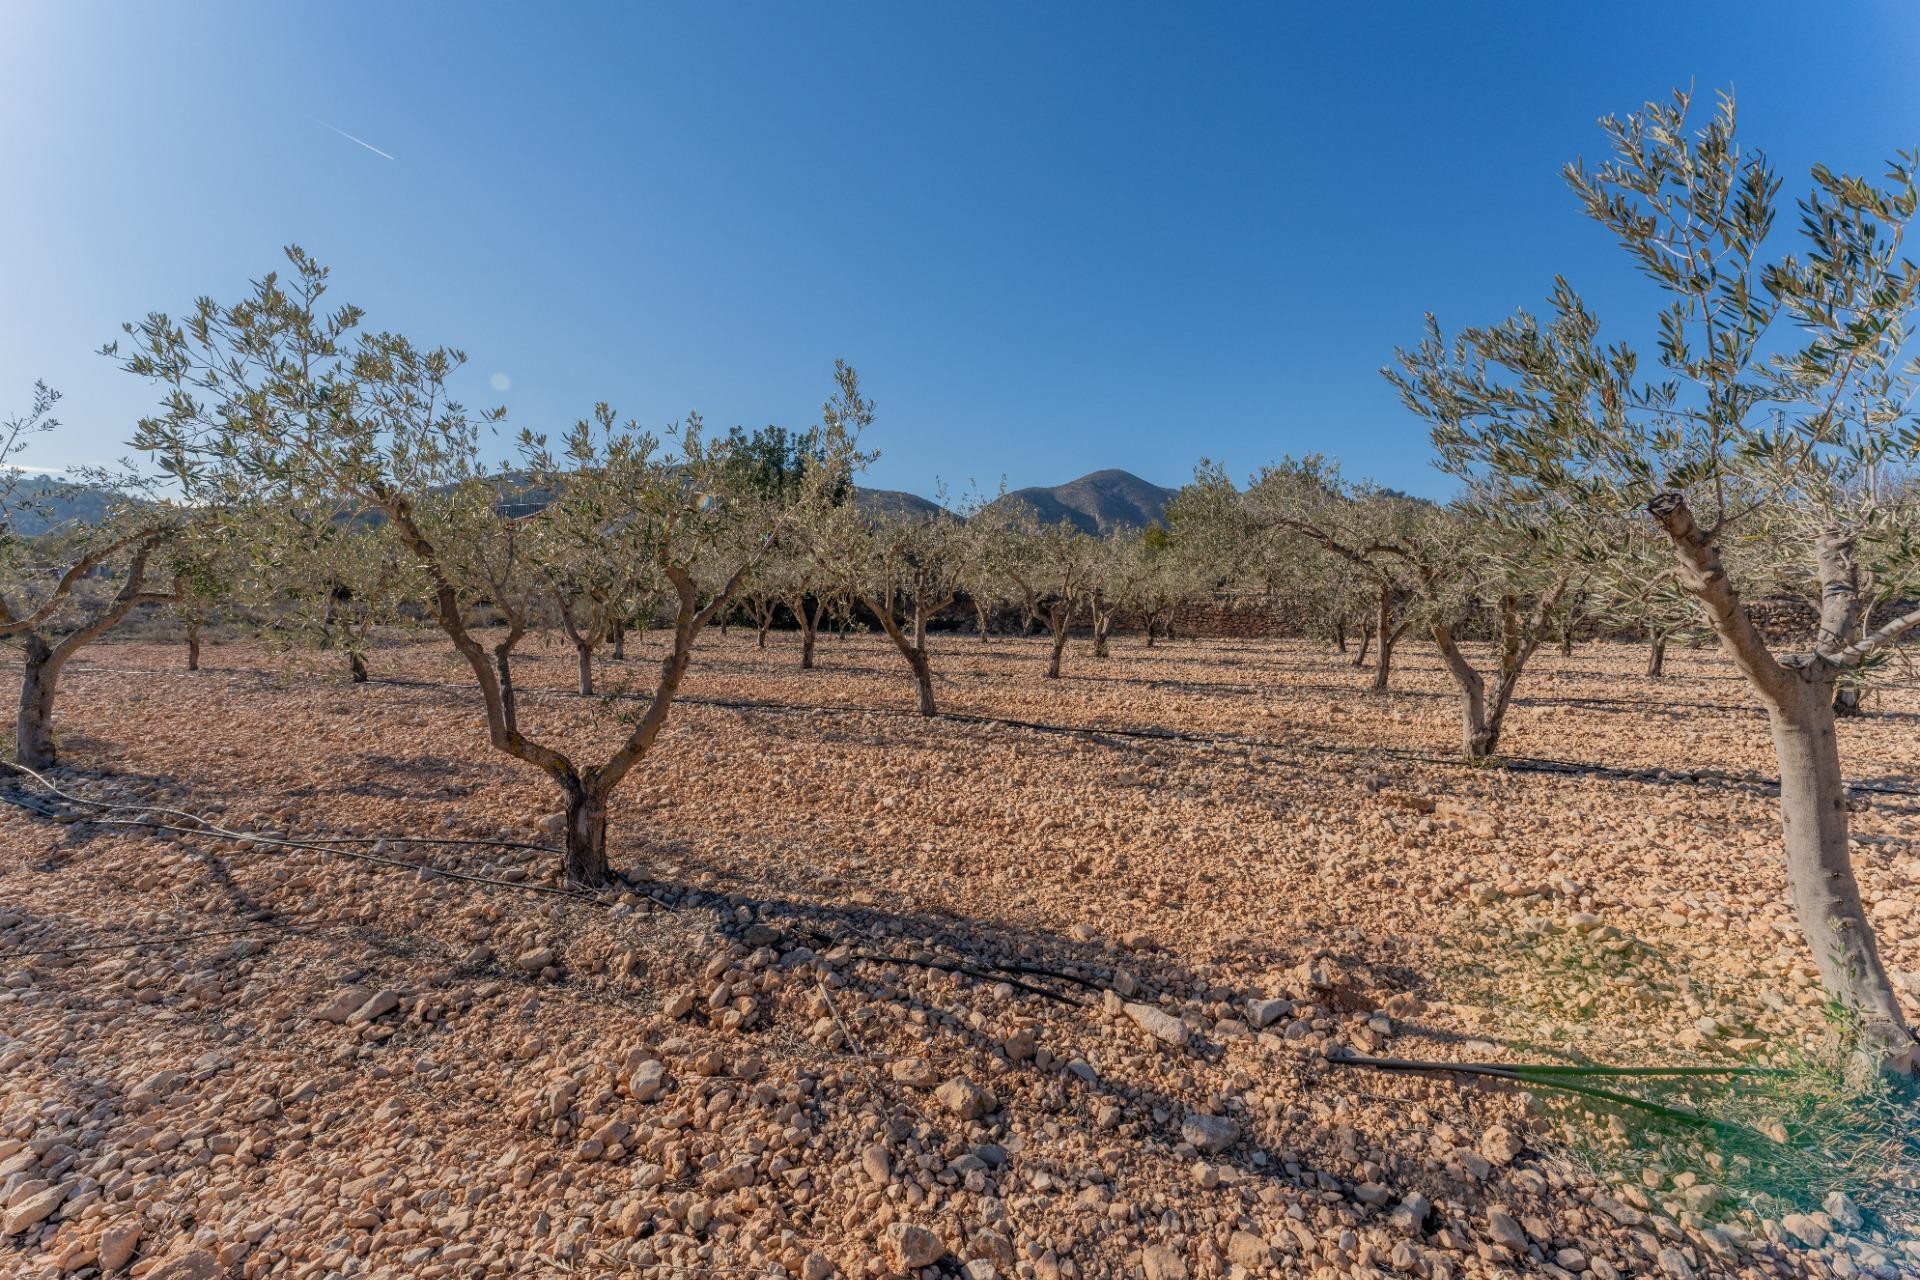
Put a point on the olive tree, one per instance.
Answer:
(1780, 393)
(1369, 530)
(903, 570)
(72, 581)
(1057, 567)
(273, 399)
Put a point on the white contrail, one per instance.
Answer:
(350, 138)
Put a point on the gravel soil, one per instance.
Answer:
(1046, 986)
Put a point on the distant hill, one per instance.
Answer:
(893, 504)
(48, 502)
(1099, 502)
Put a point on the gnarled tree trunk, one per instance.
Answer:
(583, 658)
(33, 743)
(1059, 619)
(586, 833)
(1798, 696)
(193, 646)
(1657, 656)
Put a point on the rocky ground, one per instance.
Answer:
(1049, 986)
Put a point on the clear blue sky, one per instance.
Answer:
(1052, 237)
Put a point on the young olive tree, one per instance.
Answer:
(903, 570)
(67, 585)
(1369, 530)
(273, 399)
(591, 555)
(776, 467)
(1059, 568)
(1781, 396)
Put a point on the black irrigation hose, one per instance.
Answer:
(1546, 1079)
(1553, 1068)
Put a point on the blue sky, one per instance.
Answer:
(1052, 237)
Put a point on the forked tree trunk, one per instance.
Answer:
(33, 743)
(1153, 625)
(982, 617)
(356, 666)
(1657, 657)
(583, 655)
(912, 647)
(1057, 622)
(1483, 706)
(193, 646)
(1102, 627)
(1383, 666)
(760, 634)
(1798, 696)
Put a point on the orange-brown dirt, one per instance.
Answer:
(1241, 863)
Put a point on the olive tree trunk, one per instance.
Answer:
(1484, 703)
(193, 646)
(1657, 657)
(912, 645)
(586, 835)
(33, 743)
(583, 658)
(33, 740)
(809, 620)
(1059, 619)
(1359, 658)
(1798, 695)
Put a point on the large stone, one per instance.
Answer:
(155, 1087)
(1158, 1262)
(1264, 1013)
(198, 1265)
(1160, 1024)
(33, 1210)
(1505, 1231)
(1500, 1146)
(910, 1246)
(344, 1002)
(117, 1244)
(647, 1080)
(1246, 1249)
(1211, 1134)
(915, 1073)
(964, 1098)
(378, 1005)
(877, 1164)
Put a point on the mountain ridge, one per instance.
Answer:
(1098, 502)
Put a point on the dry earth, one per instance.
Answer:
(1152, 946)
